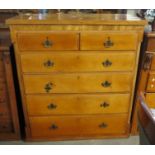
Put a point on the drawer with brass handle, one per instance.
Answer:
(78, 125)
(151, 82)
(48, 41)
(77, 62)
(62, 104)
(78, 83)
(108, 41)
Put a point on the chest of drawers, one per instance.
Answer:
(77, 74)
(146, 80)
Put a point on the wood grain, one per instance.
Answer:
(58, 40)
(78, 83)
(72, 104)
(78, 125)
(77, 61)
(96, 40)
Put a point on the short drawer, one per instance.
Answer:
(150, 99)
(77, 125)
(48, 41)
(77, 104)
(78, 83)
(77, 62)
(151, 82)
(5, 125)
(108, 41)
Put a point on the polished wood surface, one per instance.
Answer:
(98, 40)
(150, 100)
(77, 125)
(151, 82)
(42, 105)
(56, 41)
(77, 78)
(77, 61)
(89, 19)
(78, 83)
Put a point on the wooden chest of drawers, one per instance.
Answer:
(77, 76)
(146, 80)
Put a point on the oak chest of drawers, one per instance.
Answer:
(76, 73)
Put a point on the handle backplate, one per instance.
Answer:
(53, 127)
(107, 63)
(48, 87)
(108, 43)
(106, 84)
(47, 43)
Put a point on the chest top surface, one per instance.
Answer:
(81, 18)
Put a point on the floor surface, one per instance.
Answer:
(133, 140)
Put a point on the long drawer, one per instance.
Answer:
(77, 104)
(108, 40)
(77, 62)
(48, 41)
(78, 83)
(57, 126)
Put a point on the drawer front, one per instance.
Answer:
(78, 83)
(151, 82)
(150, 99)
(108, 41)
(5, 125)
(48, 41)
(78, 62)
(77, 125)
(77, 104)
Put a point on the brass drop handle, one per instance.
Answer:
(107, 63)
(103, 125)
(49, 63)
(48, 87)
(53, 127)
(47, 43)
(108, 43)
(104, 105)
(106, 84)
(52, 106)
